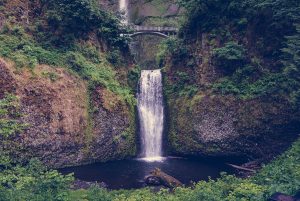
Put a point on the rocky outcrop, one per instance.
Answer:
(155, 12)
(226, 125)
(112, 5)
(66, 126)
(202, 121)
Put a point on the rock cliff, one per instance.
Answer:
(62, 130)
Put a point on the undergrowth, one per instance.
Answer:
(83, 59)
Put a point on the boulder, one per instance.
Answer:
(151, 180)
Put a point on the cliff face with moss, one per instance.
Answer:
(65, 124)
(231, 79)
(75, 99)
(155, 12)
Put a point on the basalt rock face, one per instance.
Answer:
(207, 123)
(211, 125)
(155, 12)
(62, 131)
(112, 5)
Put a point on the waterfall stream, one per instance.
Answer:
(123, 8)
(151, 114)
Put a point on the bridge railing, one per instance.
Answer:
(154, 29)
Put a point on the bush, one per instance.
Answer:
(171, 47)
(9, 125)
(133, 77)
(25, 53)
(114, 57)
(230, 57)
(33, 182)
(74, 19)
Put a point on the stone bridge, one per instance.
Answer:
(151, 30)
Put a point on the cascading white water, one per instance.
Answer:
(151, 114)
(123, 8)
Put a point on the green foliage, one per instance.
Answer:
(133, 77)
(181, 85)
(284, 83)
(32, 182)
(25, 53)
(174, 47)
(291, 61)
(114, 57)
(230, 57)
(270, 84)
(98, 194)
(83, 59)
(98, 74)
(9, 107)
(209, 14)
(264, 29)
(68, 20)
(283, 174)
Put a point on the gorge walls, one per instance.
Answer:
(62, 130)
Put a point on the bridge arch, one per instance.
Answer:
(150, 33)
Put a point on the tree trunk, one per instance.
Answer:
(165, 179)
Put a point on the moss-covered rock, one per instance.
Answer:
(155, 12)
(66, 124)
(208, 124)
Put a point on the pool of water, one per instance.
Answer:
(129, 174)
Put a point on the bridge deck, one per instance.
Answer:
(154, 29)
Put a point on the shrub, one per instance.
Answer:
(171, 47)
(33, 182)
(133, 77)
(114, 57)
(230, 57)
(9, 113)
(73, 19)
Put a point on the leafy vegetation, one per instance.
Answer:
(31, 182)
(230, 57)
(284, 82)
(253, 42)
(171, 46)
(83, 59)
(9, 113)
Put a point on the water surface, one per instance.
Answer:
(129, 174)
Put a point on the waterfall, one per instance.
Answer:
(123, 8)
(151, 114)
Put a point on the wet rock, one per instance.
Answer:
(281, 197)
(152, 180)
